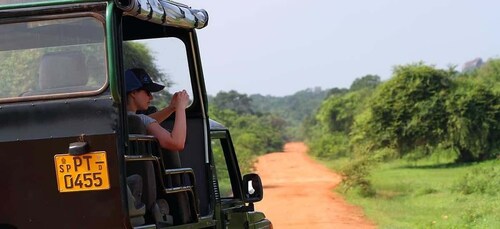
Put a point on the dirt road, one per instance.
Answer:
(298, 193)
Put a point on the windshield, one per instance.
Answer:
(48, 57)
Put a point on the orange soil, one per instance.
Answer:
(298, 193)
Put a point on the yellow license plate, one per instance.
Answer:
(86, 172)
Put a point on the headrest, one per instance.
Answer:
(62, 69)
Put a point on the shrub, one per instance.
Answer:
(355, 175)
(480, 180)
(329, 145)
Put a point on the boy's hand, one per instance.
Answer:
(182, 99)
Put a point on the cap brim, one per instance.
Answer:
(153, 87)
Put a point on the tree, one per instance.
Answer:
(474, 121)
(336, 91)
(292, 109)
(489, 73)
(252, 135)
(240, 103)
(408, 111)
(18, 71)
(368, 81)
(337, 112)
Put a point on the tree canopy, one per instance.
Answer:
(421, 108)
(368, 81)
(239, 103)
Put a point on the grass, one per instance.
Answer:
(430, 194)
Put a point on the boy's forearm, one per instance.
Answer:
(180, 128)
(162, 114)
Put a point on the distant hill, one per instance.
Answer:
(293, 108)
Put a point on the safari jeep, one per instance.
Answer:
(71, 157)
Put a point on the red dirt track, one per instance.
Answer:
(298, 193)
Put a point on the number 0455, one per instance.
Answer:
(85, 172)
(83, 180)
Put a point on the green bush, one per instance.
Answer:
(329, 145)
(480, 180)
(355, 176)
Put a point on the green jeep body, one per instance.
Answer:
(62, 109)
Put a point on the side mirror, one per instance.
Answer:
(252, 186)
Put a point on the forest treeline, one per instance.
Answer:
(420, 111)
(261, 124)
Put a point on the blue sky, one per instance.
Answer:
(278, 47)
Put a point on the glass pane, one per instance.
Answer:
(52, 57)
(166, 62)
(8, 2)
(225, 188)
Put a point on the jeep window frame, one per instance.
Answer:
(62, 13)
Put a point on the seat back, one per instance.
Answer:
(62, 72)
(62, 69)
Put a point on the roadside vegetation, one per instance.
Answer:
(420, 150)
(428, 193)
(253, 133)
(261, 124)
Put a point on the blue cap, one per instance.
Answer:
(138, 78)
